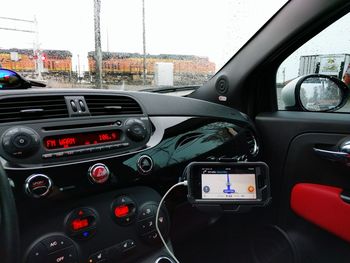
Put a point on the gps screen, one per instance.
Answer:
(228, 184)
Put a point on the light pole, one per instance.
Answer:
(78, 73)
(144, 42)
(98, 50)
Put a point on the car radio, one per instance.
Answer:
(49, 142)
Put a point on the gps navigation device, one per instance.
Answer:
(222, 183)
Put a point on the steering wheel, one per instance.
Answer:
(9, 234)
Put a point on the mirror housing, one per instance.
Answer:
(315, 92)
(9, 79)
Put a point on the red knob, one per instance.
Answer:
(99, 173)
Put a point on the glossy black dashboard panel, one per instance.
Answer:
(152, 147)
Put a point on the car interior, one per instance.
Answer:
(222, 174)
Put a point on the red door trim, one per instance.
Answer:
(322, 205)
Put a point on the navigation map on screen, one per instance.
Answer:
(228, 185)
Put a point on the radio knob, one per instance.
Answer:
(38, 185)
(98, 173)
(20, 141)
(136, 130)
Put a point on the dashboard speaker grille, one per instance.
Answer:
(23, 108)
(112, 105)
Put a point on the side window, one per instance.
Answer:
(327, 53)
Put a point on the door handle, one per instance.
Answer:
(333, 156)
(342, 155)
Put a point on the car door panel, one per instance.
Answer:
(306, 187)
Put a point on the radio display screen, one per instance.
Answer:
(80, 139)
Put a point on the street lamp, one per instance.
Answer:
(144, 42)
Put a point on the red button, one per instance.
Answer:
(121, 211)
(79, 224)
(99, 173)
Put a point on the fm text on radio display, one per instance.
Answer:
(80, 139)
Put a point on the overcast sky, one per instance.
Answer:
(216, 29)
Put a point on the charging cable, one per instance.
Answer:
(184, 183)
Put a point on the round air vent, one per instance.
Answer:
(222, 85)
(252, 142)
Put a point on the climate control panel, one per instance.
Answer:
(112, 227)
(53, 249)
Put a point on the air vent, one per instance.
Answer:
(32, 108)
(112, 105)
(252, 143)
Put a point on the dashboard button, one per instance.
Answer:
(98, 173)
(100, 148)
(91, 149)
(124, 200)
(146, 226)
(81, 223)
(58, 154)
(68, 153)
(114, 146)
(37, 254)
(47, 155)
(145, 164)
(38, 185)
(124, 210)
(121, 211)
(127, 245)
(147, 211)
(55, 243)
(80, 151)
(98, 257)
(82, 106)
(74, 106)
(152, 238)
(22, 141)
(67, 255)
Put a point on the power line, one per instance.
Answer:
(17, 19)
(15, 29)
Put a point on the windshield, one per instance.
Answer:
(126, 45)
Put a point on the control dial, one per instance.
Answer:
(136, 130)
(38, 185)
(20, 141)
(98, 173)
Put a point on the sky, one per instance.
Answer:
(214, 29)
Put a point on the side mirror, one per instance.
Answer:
(11, 80)
(315, 92)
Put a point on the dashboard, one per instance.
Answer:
(88, 167)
